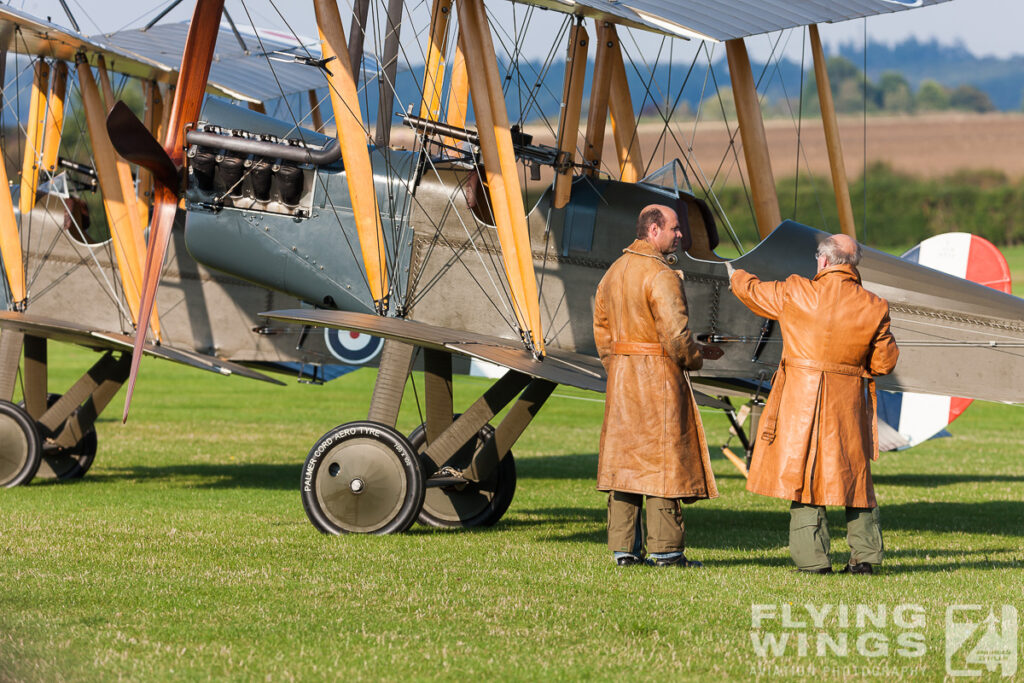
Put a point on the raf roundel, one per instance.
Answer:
(352, 348)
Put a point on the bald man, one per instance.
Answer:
(818, 433)
(652, 441)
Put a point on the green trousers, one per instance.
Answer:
(665, 530)
(809, 540)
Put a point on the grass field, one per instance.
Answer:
(185, 554)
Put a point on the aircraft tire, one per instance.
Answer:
(472, 505)
(362, 477)
(63, 464)
(21, 448)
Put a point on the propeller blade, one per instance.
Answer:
(165, 206)
(134, 142)
(188, 99)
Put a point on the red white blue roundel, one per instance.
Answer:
(352, 348)
(918, 417)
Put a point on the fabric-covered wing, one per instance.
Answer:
(726, 19)
(559, 366)
(44, 39)
(236, 73)
(73, 333)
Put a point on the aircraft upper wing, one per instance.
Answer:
(726, 19)
(237, 72)
(65, 331)
(38, 37)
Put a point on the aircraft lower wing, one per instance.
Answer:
(559, 366)
(73, 333)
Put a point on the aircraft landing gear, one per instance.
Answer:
(63, 425)
(452, 471)
(65, 462)
(20, 446)
(451, 500)
(362, 477)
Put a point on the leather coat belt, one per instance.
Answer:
(841, 369)
(638, 349)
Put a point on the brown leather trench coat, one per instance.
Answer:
(818, 432)
(652, 441)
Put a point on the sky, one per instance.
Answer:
(985, 27)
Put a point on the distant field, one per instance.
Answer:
(931, 145)
(185, 555)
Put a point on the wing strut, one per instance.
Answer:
(129, 260)
(433, 74)
(10, 239)
(458, 93)
(500, 167)
(34, 131)
(755, 144)
(188, 98)
(620, 105)
(597, 117)
(572, 102)
(832, 141)
(354, 151)
(134, 233)
(54, 117)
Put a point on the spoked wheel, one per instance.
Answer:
(20, 446)
(63, 463)
(362, 477)
(467, 504)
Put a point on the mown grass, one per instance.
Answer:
(185, 554)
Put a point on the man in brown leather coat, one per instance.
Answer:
(818, 432)
(652, 441)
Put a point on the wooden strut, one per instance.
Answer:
(572, 103)
(468, 425)
(135, 236)
(11, 343)
(624, 125)
(458, 94)
(10, 240)
(35, 376)
(75, 413)
(314, 111)
(832, 140)
(500, 167)
(118, 219)
(386, 100)
(437, 379)
(433, 73)
(395, 364)
(150, 116)
(597, 117)
(54, 118)
(354, 152)
(755, 143)
(508, 431)
(34, 131)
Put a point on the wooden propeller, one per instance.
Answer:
(136, 143)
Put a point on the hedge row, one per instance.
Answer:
(901, 209)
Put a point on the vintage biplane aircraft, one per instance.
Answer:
(69, 277)
(428, 241)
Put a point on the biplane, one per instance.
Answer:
(72, 239)
(429, 237)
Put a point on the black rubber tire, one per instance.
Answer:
(475, 505)
(21, 449)
(362, 477)
(64, 464)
